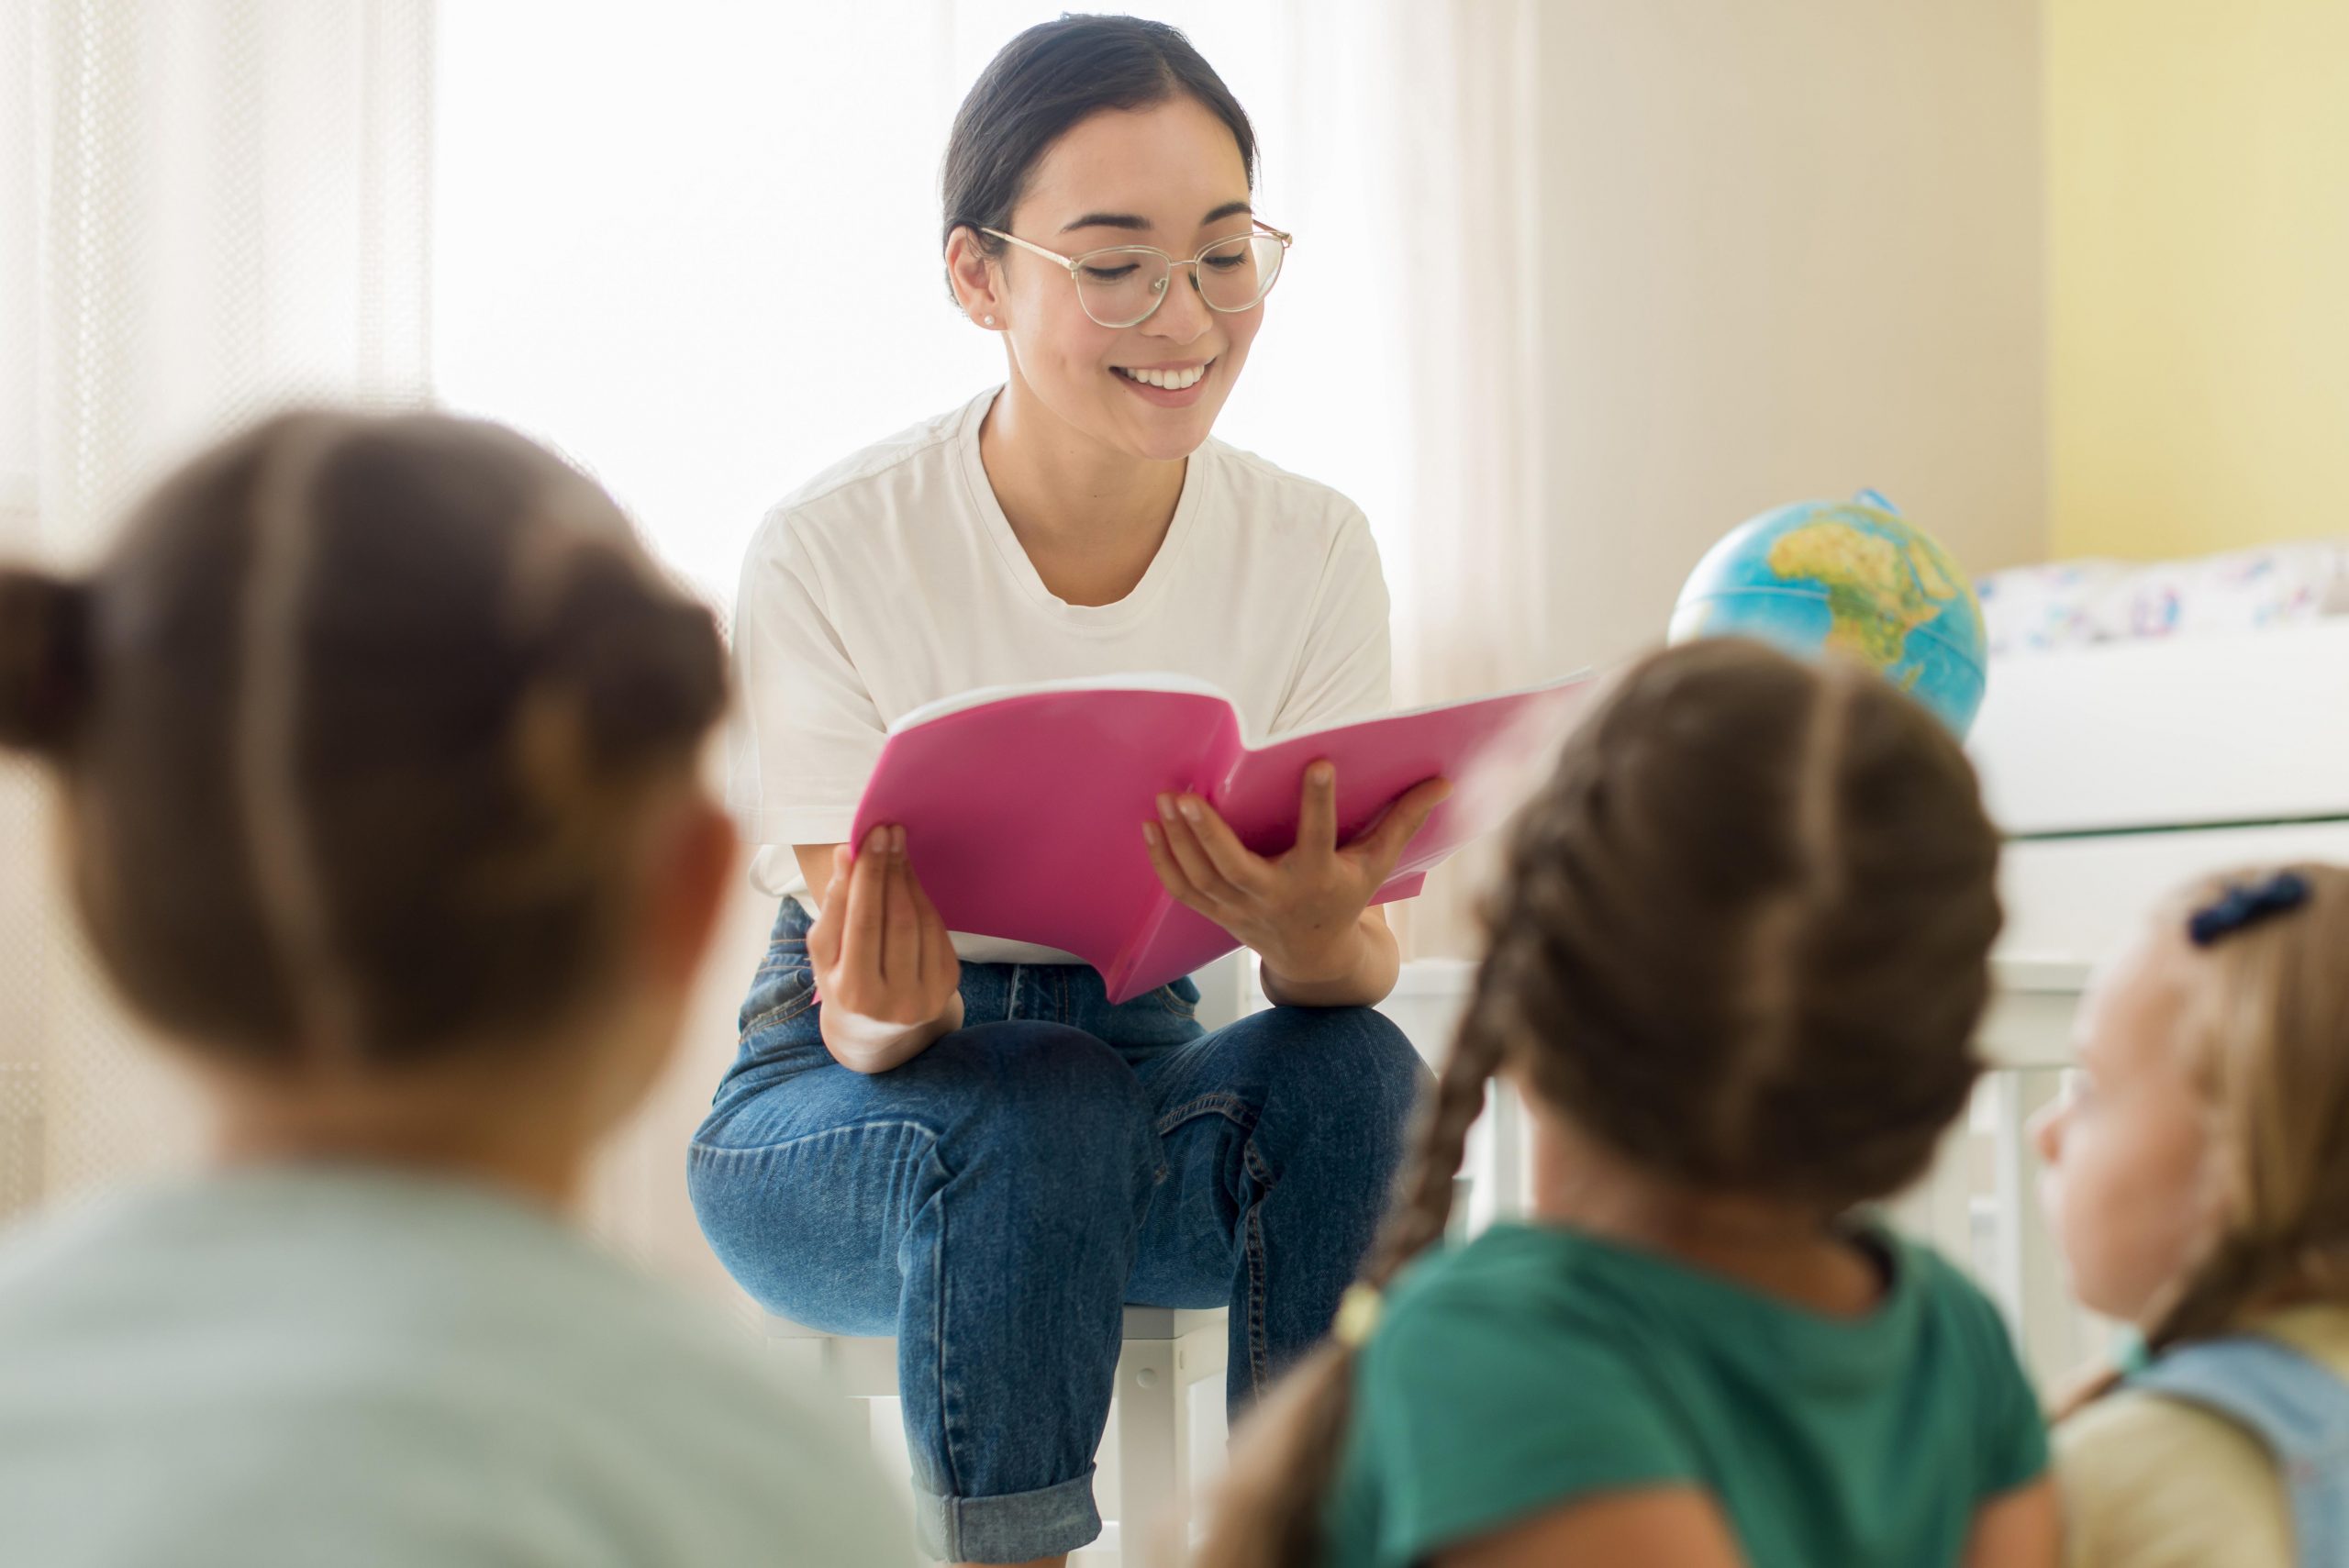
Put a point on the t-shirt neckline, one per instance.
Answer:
(1879, 1331)
(1077, 617)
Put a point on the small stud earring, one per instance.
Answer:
(989, 320)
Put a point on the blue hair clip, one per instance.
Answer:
(2246, 904)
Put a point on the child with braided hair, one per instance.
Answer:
(2199, 1186)
(1735, 963)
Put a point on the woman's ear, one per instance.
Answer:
(976, 279)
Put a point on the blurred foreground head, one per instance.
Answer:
(376, 740)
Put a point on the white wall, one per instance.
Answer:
(1794, 249)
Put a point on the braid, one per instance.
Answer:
(2236, 1270)
(2209, 1302)
(1422, 1207)
(1269, 1513)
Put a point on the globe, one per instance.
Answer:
(1853, 578)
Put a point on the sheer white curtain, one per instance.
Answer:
(1452, 187)
(206, 207)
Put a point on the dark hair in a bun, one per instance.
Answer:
(44, 658)
(356, 726)
(1042, 83)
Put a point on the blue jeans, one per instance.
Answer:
(996, 1201)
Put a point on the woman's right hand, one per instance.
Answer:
(885, 970)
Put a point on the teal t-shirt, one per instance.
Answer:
(1534, 1365)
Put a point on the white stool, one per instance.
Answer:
(1167, 1352)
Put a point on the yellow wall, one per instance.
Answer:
(2198, 169)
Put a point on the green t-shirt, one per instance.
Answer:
(1534, 1365)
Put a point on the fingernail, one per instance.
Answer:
(1150, 834)
(1166, 807)
(897, 841)
(1323, 772)
(1190, 808)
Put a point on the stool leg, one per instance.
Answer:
(810, 1365)
(1153, 1447)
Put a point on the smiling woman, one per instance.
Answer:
(1087, 334)
(958, 1141)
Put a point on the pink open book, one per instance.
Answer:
(1023, 805)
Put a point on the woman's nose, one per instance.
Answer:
(1182, 316)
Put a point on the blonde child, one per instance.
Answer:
(375, 745)
(2198, 1183)
(1735, 964)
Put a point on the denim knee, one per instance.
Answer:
(1348, 1059)
(1051, 1099)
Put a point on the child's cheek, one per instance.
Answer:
(2131, 1216)
(2096, 1224)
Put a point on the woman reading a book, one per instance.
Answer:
(959, 1141)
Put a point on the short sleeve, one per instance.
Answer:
(1346, 670)
(2013, 1430)
(808, 733)
(1464, 1432)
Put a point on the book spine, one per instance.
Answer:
(1214, 774)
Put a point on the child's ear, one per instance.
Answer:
(692, 875)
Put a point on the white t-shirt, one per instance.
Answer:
(358, 1369)
(894, 579)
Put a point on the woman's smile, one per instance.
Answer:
(1169, 385)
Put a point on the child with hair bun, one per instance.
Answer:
(2198, 1182)
(1735, 964)
(375, 744)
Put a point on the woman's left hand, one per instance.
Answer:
(1302, 911)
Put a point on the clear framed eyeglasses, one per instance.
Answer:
(1123, 285)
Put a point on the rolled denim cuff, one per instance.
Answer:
(1009, 1528)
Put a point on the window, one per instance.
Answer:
(698, 248)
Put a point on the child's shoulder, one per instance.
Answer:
(1498, 1382)
(2147, 1479)
(1464, 1319)
(1536, 1275)
(2154, 1468)
(1509, 1271)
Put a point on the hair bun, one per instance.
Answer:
(647, 662)
(44, 658)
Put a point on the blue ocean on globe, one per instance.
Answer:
(1848, 577)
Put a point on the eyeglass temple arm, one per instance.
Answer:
(1039, 249)
(1071, 262)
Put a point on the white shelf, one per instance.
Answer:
(2214, 729)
